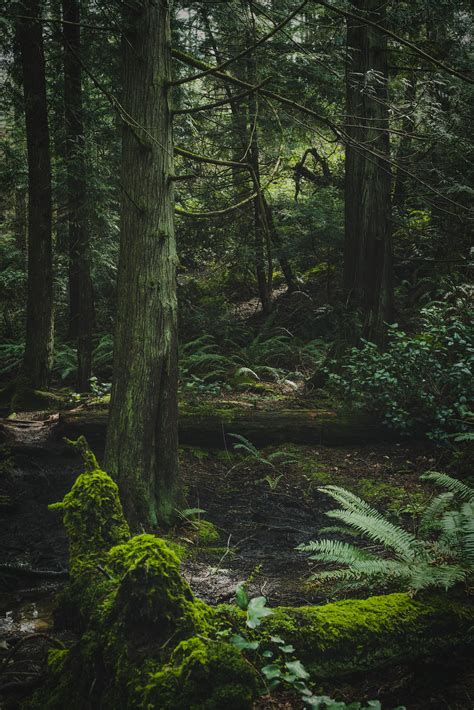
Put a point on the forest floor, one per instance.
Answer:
(261, 506)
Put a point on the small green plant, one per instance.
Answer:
(98, 388)
(279, 456)
(203, 530)
(442, 555)
(282, 666)
(273, 481)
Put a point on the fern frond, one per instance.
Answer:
(424, 576)
(467, 512)
(460, 489)
(365, 569)
(377, 528)
(337, 530)
(348, 500)
(335, 551)
(430, 520)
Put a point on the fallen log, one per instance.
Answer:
(212, 427)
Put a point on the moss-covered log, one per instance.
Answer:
(360, 634)
(211, 426)
(147, 642)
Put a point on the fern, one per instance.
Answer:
(451, 484)
(335, 551)
(430, 519)
(411, 562)
(348, 500)
(379, 529)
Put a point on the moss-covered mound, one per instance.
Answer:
(145, 640)
(202, 674)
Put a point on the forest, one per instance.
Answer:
(236, 355)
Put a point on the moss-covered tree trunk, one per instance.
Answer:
(141, 446)
(38, 355)
(368, 242)
(81, 302)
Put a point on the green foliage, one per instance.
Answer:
(420, 381)
(102, 356)
(408, 561)
(11, 355)
(273, 459)
(203, 530)
(65, 361)
(207, 367)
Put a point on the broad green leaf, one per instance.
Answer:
(271, 671)
(256, 611)
(298, 669)
(243, 644)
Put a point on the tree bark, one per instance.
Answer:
(405, 146)
(141, 446)
(368, 242)
(38, 355)
(81, 300)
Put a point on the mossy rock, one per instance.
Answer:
(152, 596)
(202, 675)
(204, 531)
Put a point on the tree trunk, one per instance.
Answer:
(20, 220)
(263, 252)
(81, 302)
(141, 446)
(37, 360)
(405, 146)
(368, 243)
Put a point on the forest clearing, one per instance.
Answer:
(236, 357)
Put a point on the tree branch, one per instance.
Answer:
(401, 40)
(247, 50)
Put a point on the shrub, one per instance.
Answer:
(420, 381)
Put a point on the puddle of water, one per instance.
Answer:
(27, 618)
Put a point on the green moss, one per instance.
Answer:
(205, 531)
(146, 642)
(206, 409)
(152, 591)
(360, 634)
(321, 477)
(180, 550)
(202, 675)
(25, 399)
(92, 515)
